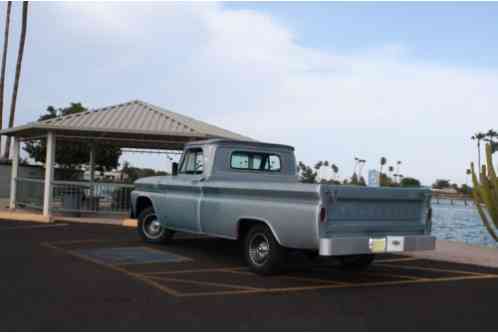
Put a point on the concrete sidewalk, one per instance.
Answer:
(459, 252)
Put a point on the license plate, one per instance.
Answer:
(377, 245)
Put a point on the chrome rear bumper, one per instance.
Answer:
(387, 244)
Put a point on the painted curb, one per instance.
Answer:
(131, 223)
(24, 217)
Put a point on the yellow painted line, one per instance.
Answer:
(430, 269)
(117, 269)
(335, 286)
(410, 277)
(24, 217)
(262, 291)
(402, 276)
(206, 283)
(202, 270)
(297, 278)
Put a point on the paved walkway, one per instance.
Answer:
(460, 252)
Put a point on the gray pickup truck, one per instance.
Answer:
(250, 191)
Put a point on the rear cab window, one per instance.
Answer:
(255, 161)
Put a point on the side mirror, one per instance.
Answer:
(174, 168)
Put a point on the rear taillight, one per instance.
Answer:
(323, 214)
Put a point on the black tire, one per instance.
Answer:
(262, 252)
(356, 262)
(150, 230)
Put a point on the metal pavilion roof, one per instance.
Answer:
(134, 124)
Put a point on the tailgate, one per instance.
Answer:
(356, 210)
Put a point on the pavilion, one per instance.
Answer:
(135, 125)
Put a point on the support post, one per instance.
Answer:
(14, 172)
(49, 173)
(92, 163)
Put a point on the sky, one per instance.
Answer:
(408, 81)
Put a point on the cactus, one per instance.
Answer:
(485, 193)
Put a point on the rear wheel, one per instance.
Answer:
(150, 229)
(262, 252)
(356, 262)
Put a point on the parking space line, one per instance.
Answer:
(201, 270)
(262, 291)
(335, 286)
(432, 269)
(115, 268)
(152, 278)
(297, 278)
(206, 283)
(410, 277)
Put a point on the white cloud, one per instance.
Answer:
(245, 71)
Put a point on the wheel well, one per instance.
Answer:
(142, 203)
(245, 224)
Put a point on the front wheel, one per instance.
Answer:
(150, 229)
(262, 252)
(356, 262)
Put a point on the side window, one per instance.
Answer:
(193, 162)
(255, 161)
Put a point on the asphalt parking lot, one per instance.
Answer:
(101, 277)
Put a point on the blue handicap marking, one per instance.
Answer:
(131, 255)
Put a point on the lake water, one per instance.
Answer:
(457, 222)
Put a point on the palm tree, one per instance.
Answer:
(4, 63)
(4, 59)
(383, 162)
(22, 42)
(478, 137)
(398, 164)
(335, 170)
(491, 134)
(391, 170)
(468, 173)
(360, 167)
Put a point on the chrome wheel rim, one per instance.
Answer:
(259, 249)
(152, 227)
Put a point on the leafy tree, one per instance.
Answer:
(465, 189)
(73, 155)
(307, 173)
(441, 183)
(354, 179)
(132, 173)
(409, 182)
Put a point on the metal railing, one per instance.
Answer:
(29, 192)
(86, 197)
(75, 197)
